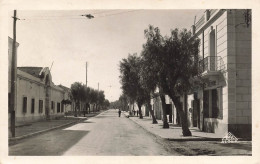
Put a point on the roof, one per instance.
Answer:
(63, 87)
(34, 71)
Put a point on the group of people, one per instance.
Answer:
(119, 112)
(137, 112)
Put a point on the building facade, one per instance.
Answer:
(224, 103)
(37, 96)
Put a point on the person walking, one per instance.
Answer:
(134, 112)
(119, 112)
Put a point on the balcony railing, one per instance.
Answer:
(211, 63)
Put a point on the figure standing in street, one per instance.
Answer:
(137, 112)
(134, 112)
(119, 112)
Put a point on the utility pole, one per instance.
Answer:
(86, 73)
(13, 78)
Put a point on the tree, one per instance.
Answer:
(106, 104)
(93, 98)
(154, 75)
(148, 83)
(181, 51)
(66, 103)
(123, 102)
(175, 60)
(87, 98)
(100, 98)
(130, 80)
(77, 92)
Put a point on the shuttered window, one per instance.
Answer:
(24, 104)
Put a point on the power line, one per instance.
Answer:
(67, 17)
(59, 16)
(119, 13)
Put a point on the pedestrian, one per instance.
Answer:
(119, 113)
(134, 112)
(137, 112)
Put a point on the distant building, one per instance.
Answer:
(134, 107)
(67, 107)
(224, 104)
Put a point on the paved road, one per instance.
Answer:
(105, 134)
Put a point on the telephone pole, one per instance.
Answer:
(13, 78)
(86, 73)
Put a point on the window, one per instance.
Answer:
(40, 106)
(58, 107)
(62, 107)
(212, 103)
(212, 50)
(217, 111)
(32, 106)
(52, 105)
(24, 104)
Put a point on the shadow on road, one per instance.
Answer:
(50, 144)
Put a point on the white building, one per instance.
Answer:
(224, 103)
(37, 96)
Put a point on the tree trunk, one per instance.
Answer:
(152, 113)
(165, 121)
(184, 121)
(140, 111)
(76, 111)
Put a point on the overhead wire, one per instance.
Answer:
(65, 17)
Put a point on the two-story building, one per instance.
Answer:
(224, 102)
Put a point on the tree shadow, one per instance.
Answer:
(49, 144)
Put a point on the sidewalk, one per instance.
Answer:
(174, 133)
(35, 128)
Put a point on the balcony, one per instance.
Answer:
(211, 66)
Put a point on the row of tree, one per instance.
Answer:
(166, 63)
(81, 94)
(121, 103)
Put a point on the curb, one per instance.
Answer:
(188, 139)
(43, 131)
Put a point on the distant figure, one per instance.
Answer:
(119, 113)
(134, 112)
(137, 112)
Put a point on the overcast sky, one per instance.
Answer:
(70, 40)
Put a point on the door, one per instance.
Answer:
(194, 113)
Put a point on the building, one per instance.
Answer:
(67, 107)
(38, 97)
(223, 104)
(134, 107)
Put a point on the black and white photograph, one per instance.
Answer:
(116, 82)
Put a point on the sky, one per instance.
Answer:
(69, 40)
